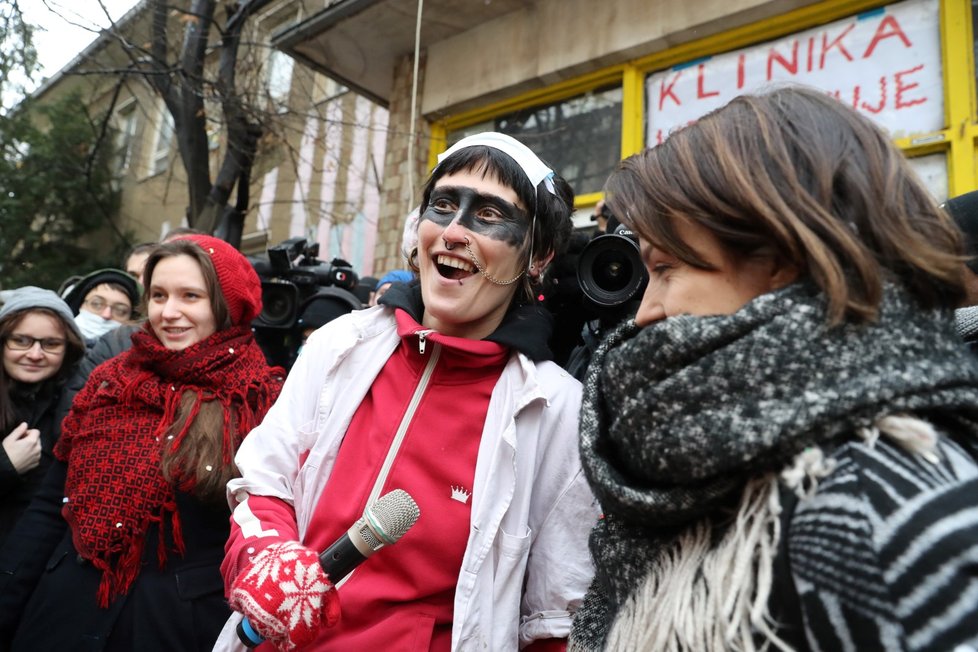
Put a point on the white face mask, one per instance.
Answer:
(93, 326)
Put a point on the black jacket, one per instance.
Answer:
(48, 594)
(36, 406)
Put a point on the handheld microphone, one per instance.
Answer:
(382, 524)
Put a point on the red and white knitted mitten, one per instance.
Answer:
(286, 595)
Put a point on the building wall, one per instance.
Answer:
(554, 40)
(404, 174)
(324, 183)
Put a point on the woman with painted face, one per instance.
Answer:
(443, 390)
(783, 441)
(41, 347)
(121, 548)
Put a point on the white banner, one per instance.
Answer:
(886, 63)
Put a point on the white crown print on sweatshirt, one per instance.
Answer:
(460, 494)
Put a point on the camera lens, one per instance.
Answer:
(279, 303)
(610, 270)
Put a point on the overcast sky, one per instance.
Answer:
(66, 27)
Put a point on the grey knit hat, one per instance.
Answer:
(30, 297)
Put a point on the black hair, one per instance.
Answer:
(553, 210)
(142, 247)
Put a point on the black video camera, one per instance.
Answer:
(610, 280)
(606, 288)
(610, 269)
(295, 283)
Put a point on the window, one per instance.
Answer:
(125, 137)
(932, 170)
(279, 77)
(580, 137)
(164, 139)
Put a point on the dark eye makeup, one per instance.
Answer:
(485, 214)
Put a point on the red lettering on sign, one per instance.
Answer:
(835, 43)
(701, 93)
(811, 53)
(868, 107)
(741, 59)
(666, 91)
(900, 101)
(791, 66)
(882, 33)
(902, 87)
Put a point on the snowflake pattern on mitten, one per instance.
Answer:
(286, 595)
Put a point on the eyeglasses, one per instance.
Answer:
(119, 310)
(26, 342)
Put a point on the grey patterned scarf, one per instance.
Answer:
(677, 416)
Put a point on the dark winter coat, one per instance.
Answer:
(35, 405)
(188, 590)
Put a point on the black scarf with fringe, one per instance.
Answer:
(677, 416)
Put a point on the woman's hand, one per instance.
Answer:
(23, 447)
(286, 595)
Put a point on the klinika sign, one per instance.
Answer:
(885, 63)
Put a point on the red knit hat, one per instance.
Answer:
(239, 281)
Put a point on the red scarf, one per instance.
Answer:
(113, 437)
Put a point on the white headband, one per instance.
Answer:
(535, 169)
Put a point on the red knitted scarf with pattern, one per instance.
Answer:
(113, 437)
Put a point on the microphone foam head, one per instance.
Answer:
(392, 515)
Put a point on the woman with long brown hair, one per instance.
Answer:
(122, 547)
(783, 440)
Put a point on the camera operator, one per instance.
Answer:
(600, 216)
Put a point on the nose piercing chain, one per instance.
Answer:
(482, 270)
